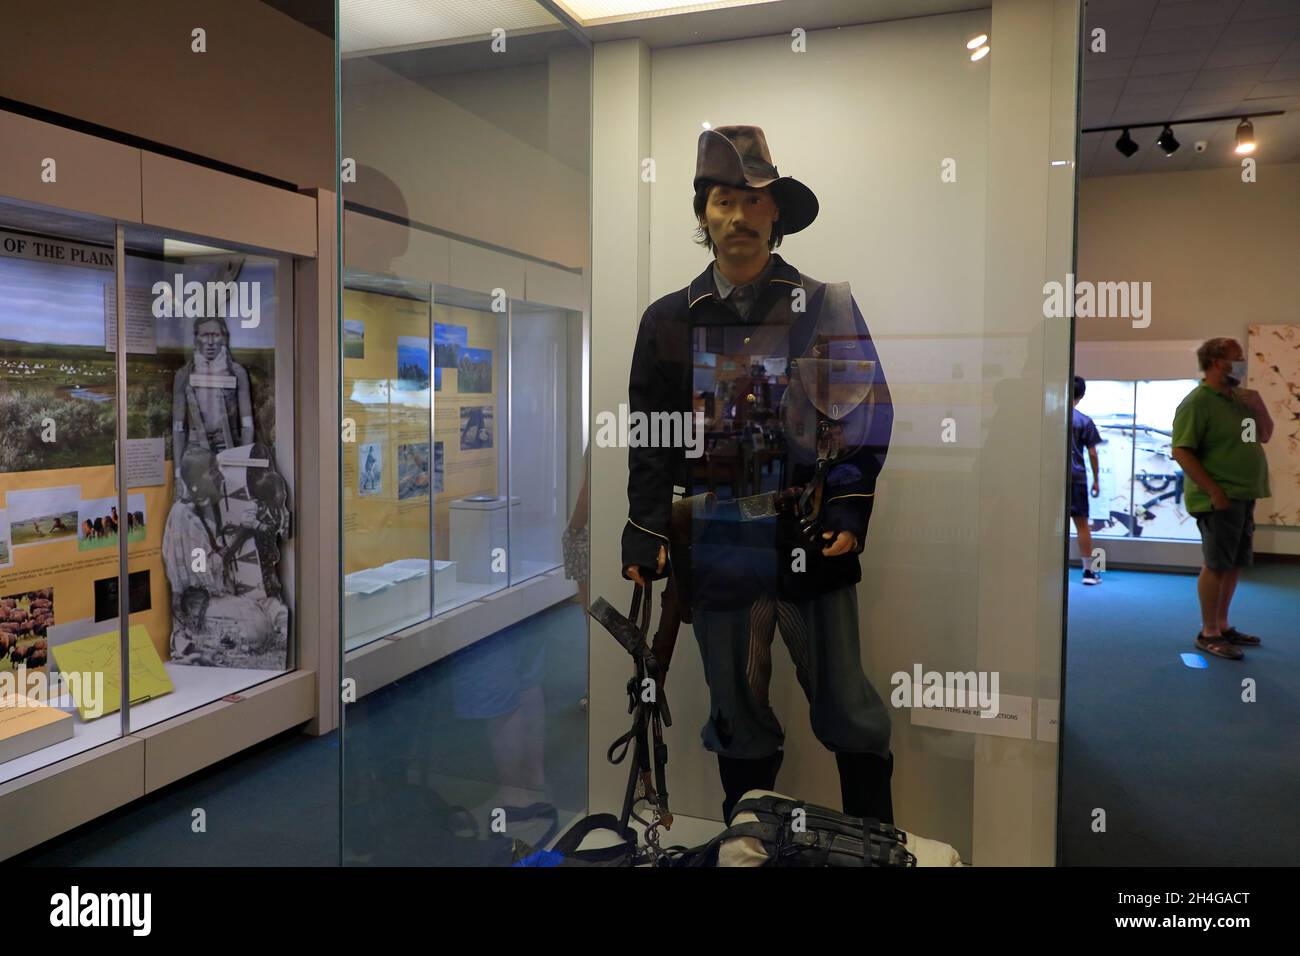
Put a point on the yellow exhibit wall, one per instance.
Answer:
(466, 470)
(389, 470)
(378, 524)
(41, 556)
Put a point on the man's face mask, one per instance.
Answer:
(1236, 372)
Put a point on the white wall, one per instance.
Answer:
(865, 118)
(441, 164)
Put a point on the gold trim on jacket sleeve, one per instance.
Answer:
(856, 494)
(647, 530)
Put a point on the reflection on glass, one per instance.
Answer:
(387, 458)
(545, 411)
(474, 513)
(1141, 485)
(60, 524)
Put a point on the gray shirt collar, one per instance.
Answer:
(741, 298)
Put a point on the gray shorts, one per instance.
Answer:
(1228, 536)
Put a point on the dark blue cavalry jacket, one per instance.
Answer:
(760, 561)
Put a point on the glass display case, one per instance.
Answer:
(455, 446)
(388, 461)
(187, 526)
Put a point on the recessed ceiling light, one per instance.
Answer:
(978, 41)
(591, 12)
(980, 54)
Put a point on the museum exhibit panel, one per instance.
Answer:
(206, 519)
(151, 331)
(464, 352)
(387, 521)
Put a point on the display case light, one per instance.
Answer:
(179, 248)
(590, 12)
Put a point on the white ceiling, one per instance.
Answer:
(368, 27)
(372, 25)
(1183, 59)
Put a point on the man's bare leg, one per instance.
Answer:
(1085, 539)
(1209, 588)
(1226, 590)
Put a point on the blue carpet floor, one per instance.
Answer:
(416, 751)
(1186, 772)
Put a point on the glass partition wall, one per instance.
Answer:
(538, 181)
(465, 253)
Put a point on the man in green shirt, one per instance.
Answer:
(1219, 430)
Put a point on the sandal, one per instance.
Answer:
(1219, 647)
(1234, 636)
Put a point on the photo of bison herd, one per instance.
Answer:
(24, 621)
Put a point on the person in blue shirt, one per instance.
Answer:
(1083, 434)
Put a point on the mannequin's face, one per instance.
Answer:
(740, 221)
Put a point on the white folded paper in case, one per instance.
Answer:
(373, 580)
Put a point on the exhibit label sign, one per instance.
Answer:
(39, 248)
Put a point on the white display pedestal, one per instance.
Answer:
(477, 526)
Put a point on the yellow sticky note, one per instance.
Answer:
(101, 655)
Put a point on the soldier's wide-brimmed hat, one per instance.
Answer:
(738, 156)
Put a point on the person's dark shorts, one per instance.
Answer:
(488, 677)
(1079, 497)
(1228, 536)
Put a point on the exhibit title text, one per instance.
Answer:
(205, 300)
(628, 429)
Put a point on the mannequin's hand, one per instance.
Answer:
(634, 571)
(844, 542)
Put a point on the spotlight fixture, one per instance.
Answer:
(980, 40)
(1245, 137)
(980, 54)
(1167, 141)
